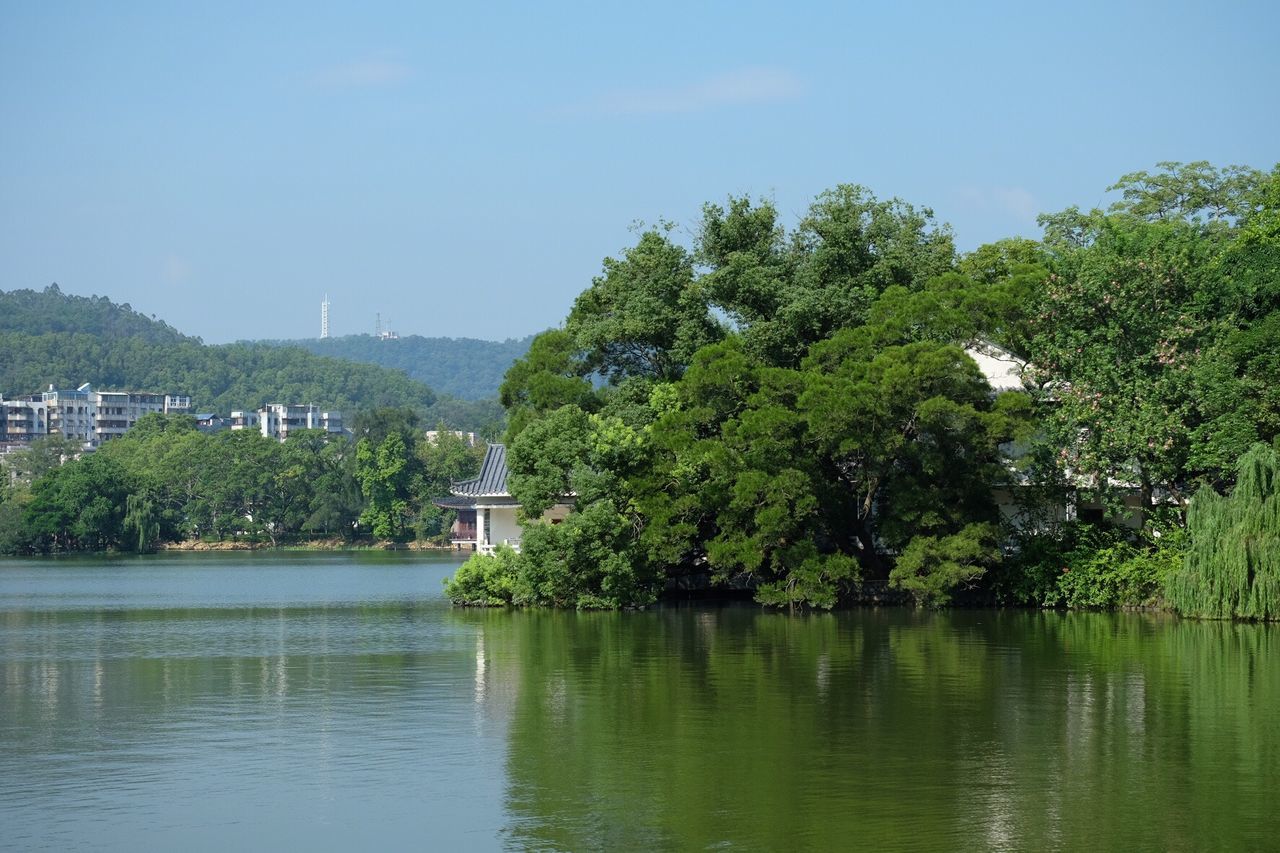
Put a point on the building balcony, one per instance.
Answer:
(489, 548)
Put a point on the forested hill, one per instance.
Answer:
(462, 367)
(38, 312)
(50, 338)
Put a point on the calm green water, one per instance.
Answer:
(220, 702)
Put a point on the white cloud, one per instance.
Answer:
(362, 74)
(743, 86)
(174, 270)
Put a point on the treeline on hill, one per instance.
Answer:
(48, 337)
(163, 481)
(51, 310)
(792, 411)
(465, 368)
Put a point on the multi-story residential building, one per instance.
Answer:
(177, 404)
(23, 420)
(277, 420)
(117, 411)
(71, 412)
(93, 417)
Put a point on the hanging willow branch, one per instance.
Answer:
(1232, 568)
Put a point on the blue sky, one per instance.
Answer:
(463, 169)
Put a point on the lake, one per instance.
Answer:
(337, 701)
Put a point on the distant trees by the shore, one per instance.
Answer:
(164, 481)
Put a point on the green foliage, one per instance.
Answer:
(447, 459)
(592, 559)
(646, 316)
(788, 477)
(40, 457)
(15, 538)
(142, 520)
(1232, 568)
(1194, 191)
(1118, 334)
(731, 454)
(218, 378)
(483, 417)
(542, 460)
(587, 562)
(79, 506)
(166, 481)
(1089, 567)
(790, 291)
(385, 470)
(485, 581)
(35, 312)
(1157, 332)
(465, 368)
(1119, 575)
(787, 292)
(932, 567)
(549, 376)
(52, 338)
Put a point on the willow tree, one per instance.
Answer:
(1232, 569)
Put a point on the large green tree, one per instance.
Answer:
(386, 470)
(80, 506)
(645, 316)
(788, 291)
(1155, 333)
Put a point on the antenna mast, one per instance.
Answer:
(324, 317)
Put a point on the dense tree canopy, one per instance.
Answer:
(465, 368)
(729, 447)
(36, 312)
(1153, 334)
(793, 411)
(164, 481)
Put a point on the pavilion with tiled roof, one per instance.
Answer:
(487, 514)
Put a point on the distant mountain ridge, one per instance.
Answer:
(39, 312)
(466, 368)
(52, 338)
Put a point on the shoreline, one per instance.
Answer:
(315, 545)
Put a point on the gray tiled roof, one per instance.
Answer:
(492, 481)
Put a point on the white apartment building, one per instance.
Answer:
(117, 411)
(93, 417)
(84, 415)
(71, 412)
(277, 420)
(23, 420)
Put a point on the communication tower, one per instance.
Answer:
(383, 334)
(324, 317)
